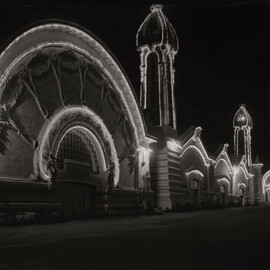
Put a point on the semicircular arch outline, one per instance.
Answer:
(224, 162)
(196, 150)
(63, 120)
(64, 34)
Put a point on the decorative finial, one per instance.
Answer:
(156, 6)
(197, 132)
(225, 147)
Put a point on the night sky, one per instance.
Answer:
(223, 60)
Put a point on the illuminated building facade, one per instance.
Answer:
(72, 133)
(74, 139)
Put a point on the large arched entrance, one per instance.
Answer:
(85, 159)
(81, 167)
(64, 99)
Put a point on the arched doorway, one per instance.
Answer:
(267, 195)
(86, 160)
(241, 195)
(194, 180)
(81, 166)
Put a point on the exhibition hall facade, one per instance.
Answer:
(75, 138)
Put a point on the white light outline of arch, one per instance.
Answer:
(241, 184)
(47, 44)
(95, 118)
(197, 140)
(226, 158)
(223, 179)
(197, 172)
(99, 48)
(92, 137)
(199, 151)
(237, 171)
(226, 163)
(203, 150)
(264, 179)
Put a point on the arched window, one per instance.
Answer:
(76, 145)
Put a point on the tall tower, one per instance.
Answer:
(157, 43)
(242, 124)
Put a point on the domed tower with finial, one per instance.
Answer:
(157, 43)
(242, 124)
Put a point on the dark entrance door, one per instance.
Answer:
(194, 196)
(241, 194)
(223, 199)
(78, 199)
(223, 195)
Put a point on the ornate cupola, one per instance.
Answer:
(157, 43)
(242, 124)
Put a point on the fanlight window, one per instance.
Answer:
(77, 146)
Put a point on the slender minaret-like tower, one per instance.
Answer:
(242, 124)
(157, 43)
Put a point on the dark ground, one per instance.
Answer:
(235, 238)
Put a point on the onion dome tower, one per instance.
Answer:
(242, 124)
(157, 43)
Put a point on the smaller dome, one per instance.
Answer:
(156, 29)
(242, 118)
